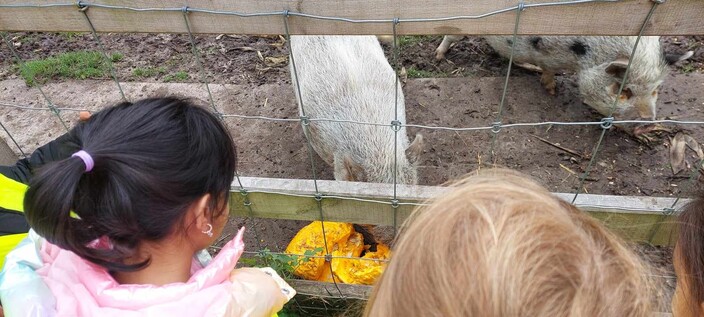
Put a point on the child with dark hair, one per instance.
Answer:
(123, 219)
(688, 260)
(13, 185)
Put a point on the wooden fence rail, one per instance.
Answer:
(581, 17)
(635, 218)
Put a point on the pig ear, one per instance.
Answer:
(349, 170)
(414, 150)
(674, 58)
(617, 68)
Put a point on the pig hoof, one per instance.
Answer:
(439, 55)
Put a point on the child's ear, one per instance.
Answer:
(201, 213)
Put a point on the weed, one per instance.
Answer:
(70, 36)
(413, 72)
(408, 40)
(179, 76)
(283, 264)
(148, 71)
(73, 65)
(116, 57)
(687, 68)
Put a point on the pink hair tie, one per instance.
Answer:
(87, 159)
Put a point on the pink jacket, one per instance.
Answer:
(77, 287)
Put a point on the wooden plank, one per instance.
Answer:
(329, 290)
(7, 156)
(680, 17)
(634, 218)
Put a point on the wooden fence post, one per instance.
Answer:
(7, 156)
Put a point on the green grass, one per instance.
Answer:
(176, 77)
(116, 57)
(69, 36)
(688, 68)
(412, 72)
(71, 65)
(143, 72)
(408, 40)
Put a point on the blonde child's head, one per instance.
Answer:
(689, 261)
(499, 244)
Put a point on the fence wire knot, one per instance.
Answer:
(328, 257)
(607, 123)
(184, 9)
(318, 197)
(659, 1)
(243, 192)
(521, 6)
(396, 125)
(304, 120)
(668, 210)
(496, 127)
(286, 14)
(81, 6)
(54, 109)
(396, 21)
(394, 203)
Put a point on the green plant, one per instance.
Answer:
(177, 76)
(413, 72)
(116, 57)
(73, 65)
(687, 68)
(287, 311)
(143, 72)
(408, 40)
(283, 264)
(69, 36)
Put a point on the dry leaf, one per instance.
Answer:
(275, 61)
(677, 149)
(693, 145)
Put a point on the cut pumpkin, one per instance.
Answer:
(342, 242)
(311, 238)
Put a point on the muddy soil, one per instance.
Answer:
(242, 59)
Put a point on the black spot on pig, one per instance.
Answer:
(579, 48)
(536, 41)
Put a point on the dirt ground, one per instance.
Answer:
(253, 79)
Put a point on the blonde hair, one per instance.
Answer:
(499, 244)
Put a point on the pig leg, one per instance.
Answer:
(548, 81)
(447, 40)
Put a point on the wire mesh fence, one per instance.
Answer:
(318, 193)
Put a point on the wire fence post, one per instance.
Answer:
(669, 211)
(496, 125)
(199, 63)
(305, 122)
(84, 9)
(395, 125)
